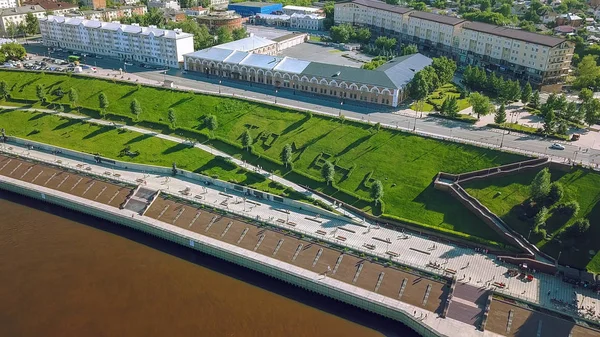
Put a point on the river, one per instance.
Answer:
(63, 273)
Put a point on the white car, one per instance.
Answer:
(557, 146)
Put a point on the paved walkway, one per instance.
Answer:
(469, 266)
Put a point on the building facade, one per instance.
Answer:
(539, 59)
(195, 11)
(114, 14)
(164, 4)
(218, 3)
(252, 8)
(55, 7)
(127, 42)
(10, 18)
(386, 86)
(94, 4)
(216, 19)
(271, 20)
(289, 10)
(307, 21)
(8, 3)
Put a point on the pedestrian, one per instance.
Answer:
(415, 313)
(469, 278)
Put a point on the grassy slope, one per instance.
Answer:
(408, 161)
(580, 185)
(109, 142)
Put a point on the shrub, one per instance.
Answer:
(556, 192)
(578, 228)
(570, 208)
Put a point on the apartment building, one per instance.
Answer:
(307, 21)
(8, 3)
(56, 7)
(164, 4)
(114, 14)
(127, 42)
(94, 4)
(10, 18)
(539, 59)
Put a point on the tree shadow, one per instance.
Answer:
(295, 125)
(98, 132)
(129, 93)
(354, 144)
(175, 148)
(139, 138)
(181, 101)
(67, 124)
(37, 116)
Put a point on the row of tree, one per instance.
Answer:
(477, 79)
(30, 26)
(424, 82)
(12, 52)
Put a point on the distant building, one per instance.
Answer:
(271, 20)
(94, 4)
(129, 2)
(307, 21)
(216, 19)
(8, 3)
(164, 4)
(252, 8)
(56, 7)
(114, 14)
(254, 44)
(195, 11)
(127, 42)
(174, 16)
(289, 10)
(569, 20)
(16, 16)
(219, 4)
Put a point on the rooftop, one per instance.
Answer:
(254, 4)
(300, 8)
(348, 74)
(50, 5)
(116, 26)
(448, 20)
(402, 69)
(247, 44)
(380, 5)
(21, 10)
(517, 34)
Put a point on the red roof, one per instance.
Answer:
(51, 5)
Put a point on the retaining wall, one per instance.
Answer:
(233, 254)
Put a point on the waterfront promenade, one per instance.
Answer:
(469, 267)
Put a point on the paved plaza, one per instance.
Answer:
(325, 54)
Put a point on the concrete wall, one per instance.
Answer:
(248, 261)
(196, 177)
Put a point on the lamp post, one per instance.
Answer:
(502, 141)
(219, 86)
(341, 105)
(276, 91)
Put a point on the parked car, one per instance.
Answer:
(557, 146)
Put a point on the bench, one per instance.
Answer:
(369, 246)
(450, 271)
(321, 232)
(390, 253)
(341, 238)
(281, 220)
(499, 284)
(346, 229)
(116, 175)
(198, 196)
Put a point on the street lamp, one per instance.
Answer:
(502, 141)
(219, 86)
(341, 105)
(276, 91)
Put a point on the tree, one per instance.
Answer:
(570, 208)
(103, 101)
(452, 108)
(73, 96)
(340, 34)
(4, 92)
(13, 51)
(540, 218)
(377, 191)
(328, 172)
(592, 111)
(392, 2)
(246, 140)
(586, 94)
(505, 10)
(32, 25)
(239, 33)
(540, 186)
(445, 68)
(549, 122)
(172, 118)
(410, 49)
(588, 73)
(363, 35)
(135, 108)
(481, 104)
(500, 116)
(526, 93)
(329, 10)
(420, 6)
(535, 100)
(556, 192)
(39, 93)
(286, 154)
(511, 90)
(419, 86)
(211, 123)
(224, 35)
(484, 5)
(578, 228)
(385, 43)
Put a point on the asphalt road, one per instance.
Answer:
(401, 118)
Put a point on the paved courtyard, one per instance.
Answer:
(319, 53)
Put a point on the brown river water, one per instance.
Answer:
(66, 274)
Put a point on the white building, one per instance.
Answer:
(218, 3)
(538, 58)
(195, 11)
(13, 17)
(289, 10)
(8, 3)
(307, 21)
(164, 4)
(128, 42)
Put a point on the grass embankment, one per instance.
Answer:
(435, 99)
(580, 185)
(406, 164)
(108, 141)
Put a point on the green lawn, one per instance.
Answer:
(406, 164)
(580, 185)
(109, 142)
(437, 97)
